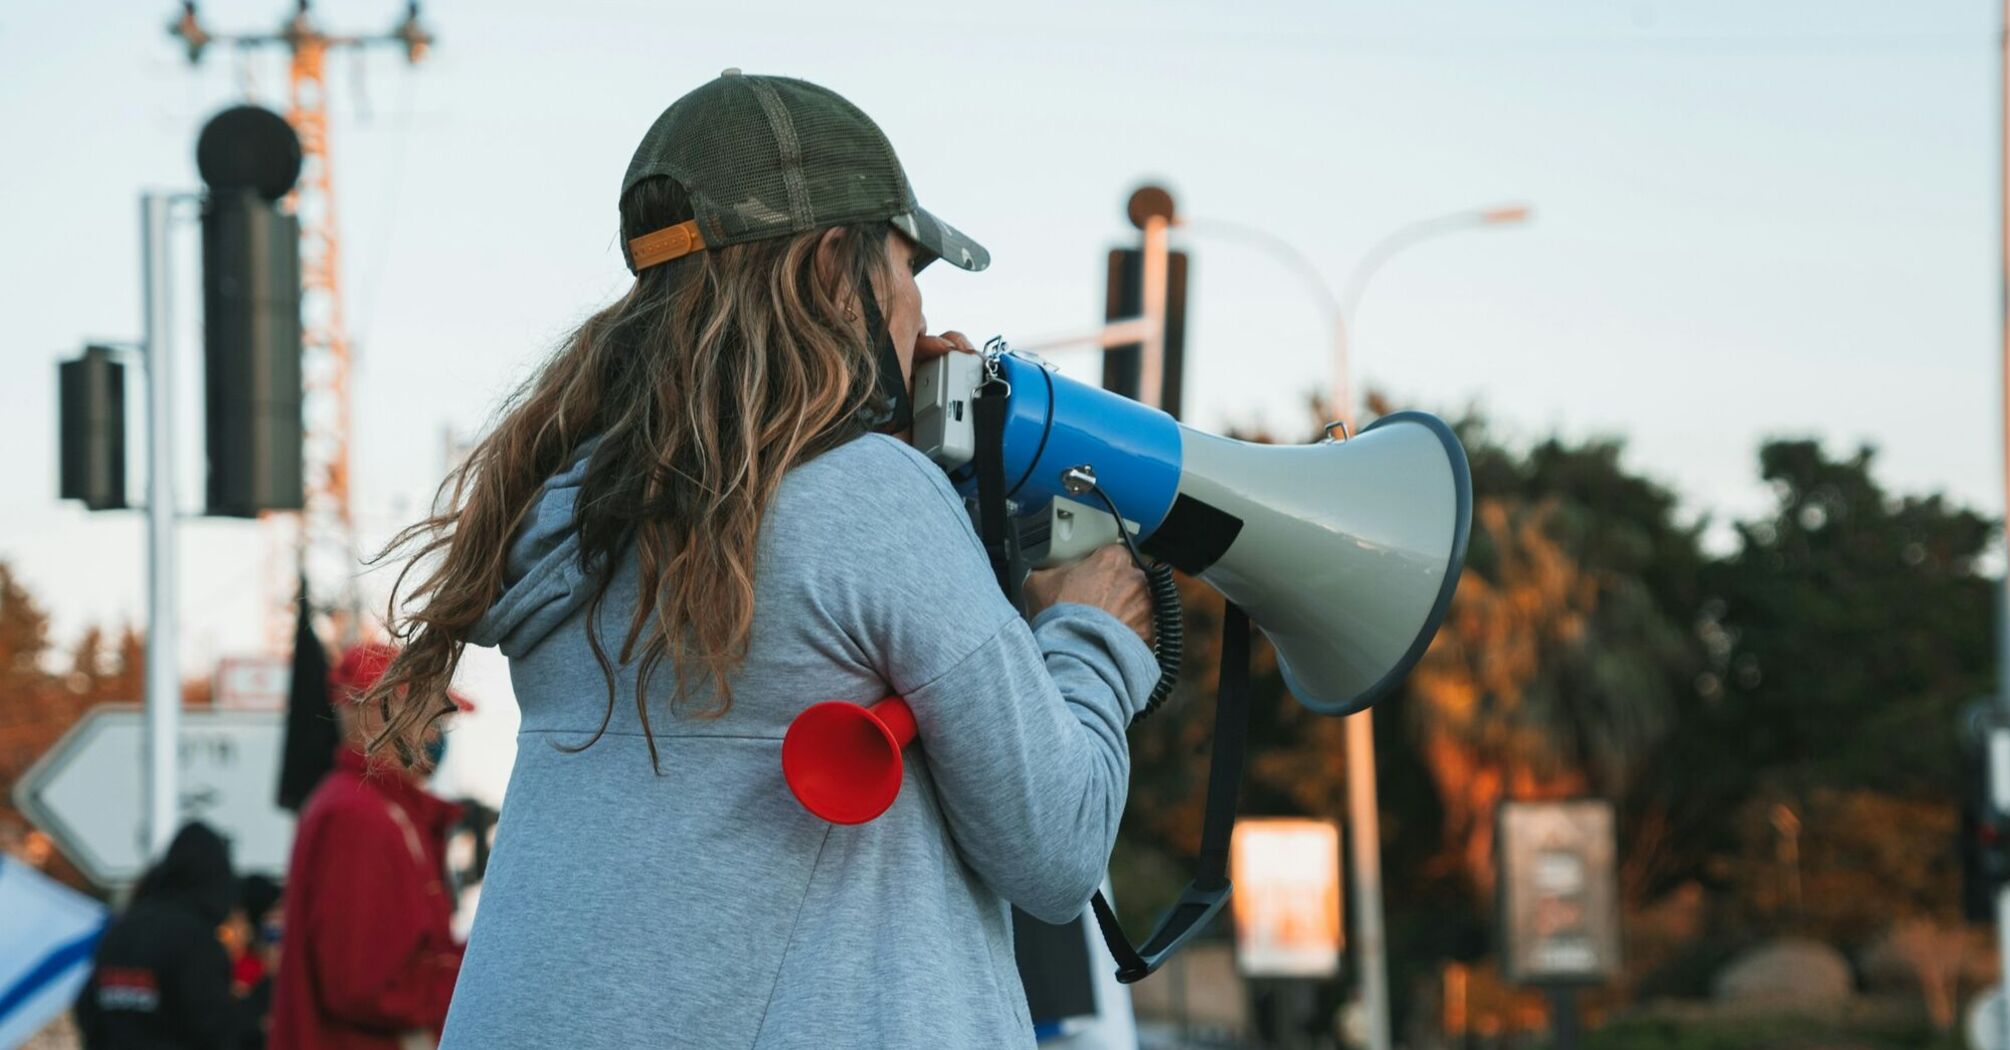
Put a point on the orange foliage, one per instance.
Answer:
(1475, 719)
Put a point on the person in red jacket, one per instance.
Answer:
(368, 961)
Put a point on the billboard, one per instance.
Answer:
(1558, 891)
(1286, 874)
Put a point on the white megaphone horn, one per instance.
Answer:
(1345, 553)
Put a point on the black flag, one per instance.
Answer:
(311, 733)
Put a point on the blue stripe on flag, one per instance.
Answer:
(53, 966)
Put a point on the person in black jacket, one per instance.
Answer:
(161, 978)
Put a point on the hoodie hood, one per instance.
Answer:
(195, 872)
(545, 581)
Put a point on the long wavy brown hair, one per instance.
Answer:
(704, 384)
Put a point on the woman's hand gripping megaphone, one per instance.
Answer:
(1106, 579)
(928, 346)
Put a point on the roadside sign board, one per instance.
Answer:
(88, 792)
(1286, 874)
(1559, 891)
(252, 683)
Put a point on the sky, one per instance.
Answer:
(1749, 220)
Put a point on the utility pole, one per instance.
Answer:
(1151, 210)
(325, 544)
(163, 674)
(1998, 756)
(245, 169)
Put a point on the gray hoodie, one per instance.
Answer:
(704, 907)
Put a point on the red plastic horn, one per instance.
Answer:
(842, 761)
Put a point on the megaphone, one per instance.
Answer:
(1345, 553)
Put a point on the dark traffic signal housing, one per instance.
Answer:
(251, 355)
(91, 421)
(250, 158)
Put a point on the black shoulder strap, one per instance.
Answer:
(988, 412)
(892, 383)
(1231, 735)
(1210, 888)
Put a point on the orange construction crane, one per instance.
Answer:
(325, 544)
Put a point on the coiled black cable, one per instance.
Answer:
(1168, 620)
(1168, 634)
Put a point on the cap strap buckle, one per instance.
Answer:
(661, 246)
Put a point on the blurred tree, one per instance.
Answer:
(1596, 647)
(42, 695)
(1569, 649)
(1845, 633)
(1866, 869)
(1843, 864)
(1490, 721)
(27, 689)
(24, 636)
(1569, 644)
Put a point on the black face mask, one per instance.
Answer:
(897, 413)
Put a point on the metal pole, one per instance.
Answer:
(1364, 838)
(1151, 363)
(1999, 762)
(1562, 1017)
(1364, 815)
(163, 693)
(1364, 818)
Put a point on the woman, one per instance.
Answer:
(684, 531)
(161, 976)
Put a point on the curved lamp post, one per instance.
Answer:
(1363, 819)
(1342, 308)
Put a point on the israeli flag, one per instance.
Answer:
(47, 935)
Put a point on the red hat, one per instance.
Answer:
(360, 667)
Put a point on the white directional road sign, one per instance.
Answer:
(89, 791)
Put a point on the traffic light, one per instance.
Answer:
(91, 419)
(1985, 827)
(1125, 300)
(249, 158)
(251, 354)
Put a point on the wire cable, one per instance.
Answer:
(1168, 620)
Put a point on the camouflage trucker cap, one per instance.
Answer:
(771, 156)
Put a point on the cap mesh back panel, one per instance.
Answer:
(848, 166)
(727, 149)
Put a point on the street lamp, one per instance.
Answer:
(1363, 819)
(1340, 310)
(1371, 263)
